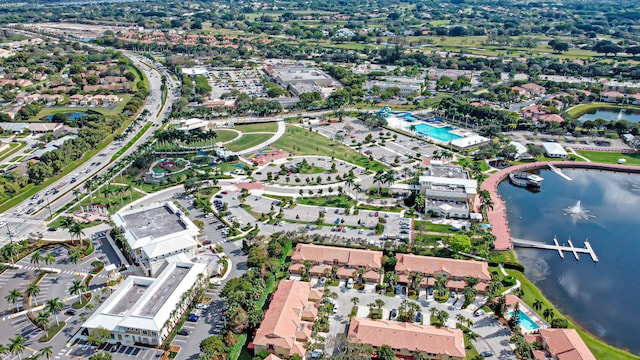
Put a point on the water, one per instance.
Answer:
(71, 116)
(608, 114)
(439, 133)
(601, 297)
(525, 321)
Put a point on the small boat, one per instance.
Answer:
(524, 179)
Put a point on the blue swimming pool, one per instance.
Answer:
(407, 116)
(439, 133)
(525, 321)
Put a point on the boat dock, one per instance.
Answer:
(558, 171)
(561, 249)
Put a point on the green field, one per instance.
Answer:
(610, 157)
(582, 109)
(271, 127)
(225, 135)
(13, 148)
(599, 349)
(342, 201)
(304, 142)
(247, 141)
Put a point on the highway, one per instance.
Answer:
(17, 222)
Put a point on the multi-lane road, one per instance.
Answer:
(29, 215)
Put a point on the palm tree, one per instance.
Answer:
(548, 314)
(128, 189)
(537, 305)
(42, 321)
(32, 292)
(379, 304)
(76, 193)
(443, 316)
(13, 297)
(412, 128)
(66, 222)
(77, 288)
(75, 257)
(53, 306)
(355, 301)
(49, 258)
(17, 346)
(88, 184)
(10, 250)
(36, 258)
(107, 191)
(379, 178)
(47, 351)
(460, 319)
(76, 231)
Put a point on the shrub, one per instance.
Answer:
(379, 229)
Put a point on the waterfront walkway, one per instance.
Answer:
(498, 215)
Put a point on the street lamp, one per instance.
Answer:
(49, 208)
(9, 232)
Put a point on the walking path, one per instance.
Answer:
(498, 215)
(281, 129)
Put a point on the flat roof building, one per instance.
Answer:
(407, 338)
(469, 142)
(448, 190)
(301, 79)
(156, 232)
(141, 310)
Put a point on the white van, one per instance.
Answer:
(350, 283)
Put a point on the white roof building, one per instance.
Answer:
(469, 142)
(194, 71)
(554, 150)
(192, 124)
(157, 232)
(447, 190)
(140, 310)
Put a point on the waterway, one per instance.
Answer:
(609, 114)
(602, 297)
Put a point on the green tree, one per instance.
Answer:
(385, 352)
(76, 230)
(32, 292)
(17, 345)
(54, 306)
(460, 243)
(47, 351)
(213, 346)
(42, 320)
(77, 287)
(13, 297)
(36, 257)
(99, 336)
(101, 356)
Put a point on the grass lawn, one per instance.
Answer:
(247, 141)
(13, 148)
(104, 111)
(230, 166)
(333, 201)
(53, 331)
(258, 127)
(468, 162)
(610, 157)
(429, 226)
(599, 349)
(225, 135)
(304, 142)
(582, 109)
(312, 170)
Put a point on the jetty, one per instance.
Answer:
(558, 171)
(561, 249)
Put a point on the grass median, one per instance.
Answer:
(300, 141)
(132, 141)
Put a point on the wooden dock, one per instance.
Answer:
(561, 249)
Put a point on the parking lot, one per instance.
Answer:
(248, 81)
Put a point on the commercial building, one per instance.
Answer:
(301, 79)
(155, 233)
(288, 321)
(468, 142)
(563, 344)
(448, 190)
(455, 271)
(554, 150)
(192, 124)
(346, 261)
(407, 339)
(144, 310)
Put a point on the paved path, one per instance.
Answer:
(281, 129)
(498, 215)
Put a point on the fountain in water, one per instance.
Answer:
(577, 212)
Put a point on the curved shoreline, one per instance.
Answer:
(498, 215)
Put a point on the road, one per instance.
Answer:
(20, 225)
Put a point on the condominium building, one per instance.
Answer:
(448, 190)
(455, 271)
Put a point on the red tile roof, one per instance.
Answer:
(412, 337)
(566, 344)
(431, 265)
(344, 256)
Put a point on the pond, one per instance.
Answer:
(600, 297)
(71, 116)
(611, 114)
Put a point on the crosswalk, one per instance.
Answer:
(66, 272)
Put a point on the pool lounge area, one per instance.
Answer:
(528, 325)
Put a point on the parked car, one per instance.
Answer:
(478, 312)
(486, 354)
(70, 312)
(419, 317)
(394, 314)
(452, 294)
(183, 332)
(350, 283)
(192, 318)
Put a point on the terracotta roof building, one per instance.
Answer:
(565, 344)
(407, 338)
(287, 323)
(345, 259)
(455, 271)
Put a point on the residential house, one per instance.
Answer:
(534, 89)
(612, 96)
(348, 262)
(45, 128)
(455, 271)
(75, 99)
(407, 338)
(287, 324)
(565, 344)
(520, 91)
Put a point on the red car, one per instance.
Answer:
(376, 214)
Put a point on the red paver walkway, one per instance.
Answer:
(498, 216)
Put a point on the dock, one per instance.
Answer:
(558, 171)
(561, 249)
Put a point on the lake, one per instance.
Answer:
(601, 297)
(609, 114)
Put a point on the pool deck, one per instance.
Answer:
(498, 215)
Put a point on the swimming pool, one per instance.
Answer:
(525, 321)
(405, 115)
(439, 133)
